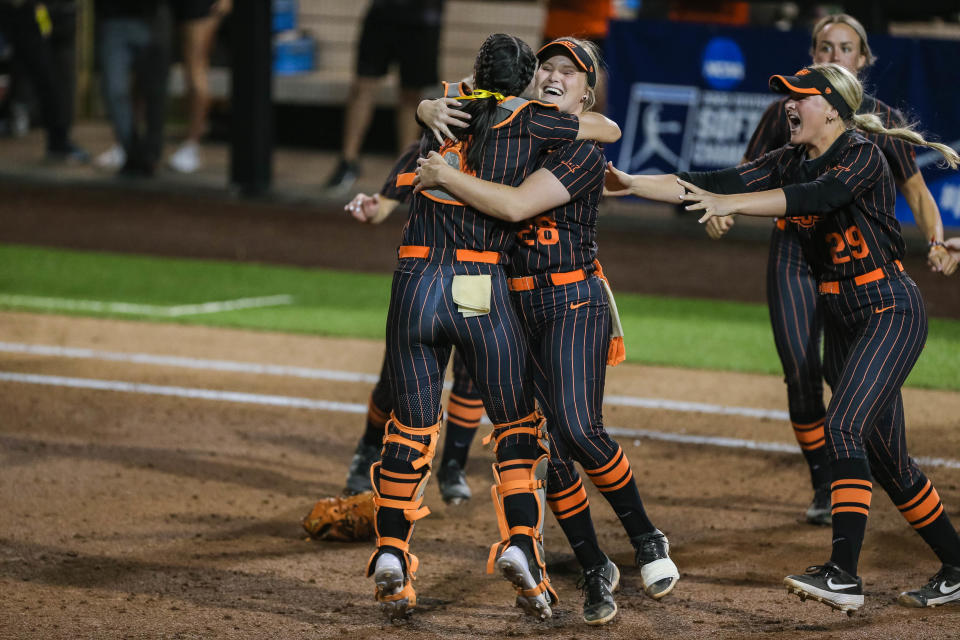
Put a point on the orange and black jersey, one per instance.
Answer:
(565, 238)
(511, 153)
(773, 132)
(841, 203)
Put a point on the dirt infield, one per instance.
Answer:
(139, 515)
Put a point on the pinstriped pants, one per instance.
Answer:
(875, 334)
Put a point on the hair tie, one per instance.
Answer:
(478, 94)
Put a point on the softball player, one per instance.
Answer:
(464, 409)
(795, 316)
(561, 297)
(450, 290)
(833, 186)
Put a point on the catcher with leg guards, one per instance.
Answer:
(834, 186)
(564, 304)
(450, 290)
(464, 408)
(795, 315)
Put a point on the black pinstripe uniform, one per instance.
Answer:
(840, 206)
(564, 310)
(464, 397)
(424, 323)
(795, 316)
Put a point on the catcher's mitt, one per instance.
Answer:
(345, 519)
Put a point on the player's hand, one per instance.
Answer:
(615, 182)
(712, 204)
(718, 227)
(363, 207)
(941, 260)
(440, 114)
(429, 170)
(953, 249)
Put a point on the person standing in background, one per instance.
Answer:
(27, 28)
(405, 32)
(198, 20)
(134, 40)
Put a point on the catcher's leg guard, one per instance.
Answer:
(525, 568)
(398, 500)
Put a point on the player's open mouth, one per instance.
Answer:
(552, 91)
(793, 120)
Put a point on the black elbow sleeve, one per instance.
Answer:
(818, 197)
(722, 181)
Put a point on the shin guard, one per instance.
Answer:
(403, 492)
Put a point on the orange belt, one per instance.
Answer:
(462, 255)
(865, 278)
(528, 283)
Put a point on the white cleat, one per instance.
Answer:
(514, 566)
(388, 576)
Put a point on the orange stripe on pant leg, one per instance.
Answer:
(920, 524)
(922, 510)
(809, 436)
(464, 413)
(577, 498)
(859, 496)
(912, 502)
(851, 495)
(852, 481)
(613, 475)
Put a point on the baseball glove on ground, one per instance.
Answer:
(345, 519)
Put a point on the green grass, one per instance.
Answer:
(701, 334)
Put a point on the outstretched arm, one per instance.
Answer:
(662, 187)
(769, 204)
(539, 192)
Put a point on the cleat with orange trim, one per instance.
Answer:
(657, 570)
(830, 585)
(514, 565)
(394, 592)
(942, 588)
(819, 511)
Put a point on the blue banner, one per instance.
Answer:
(688, 96)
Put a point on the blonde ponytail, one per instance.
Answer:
(851, 90)
(870, 123)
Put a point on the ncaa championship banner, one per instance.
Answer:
(689, 96)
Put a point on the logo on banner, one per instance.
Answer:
(723, 66)
(672, 128)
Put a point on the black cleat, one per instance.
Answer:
(597, 585)
(830, 585)
(942, 588)
(657, 570)
(358, 477)
(819, 511)
(453, 483)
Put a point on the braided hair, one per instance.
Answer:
(505, 64)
